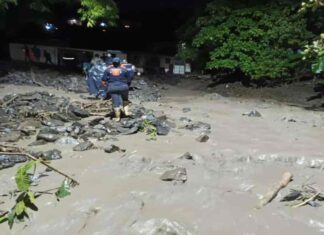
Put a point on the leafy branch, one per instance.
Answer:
(27, 197)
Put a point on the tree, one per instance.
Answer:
(259, 40)
(90, 10)
(314, 51)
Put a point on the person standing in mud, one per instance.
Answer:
(131, 74)
(116, 79)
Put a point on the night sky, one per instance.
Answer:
(153, 27)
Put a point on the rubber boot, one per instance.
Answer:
(127, 111)
(117, 114)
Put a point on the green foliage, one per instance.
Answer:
(5, 4)
(64, 190)
(148, 127)
(90, 10)
(26, 198)
(22, 178)
(315, 51)
(311, 4)
(262, 41)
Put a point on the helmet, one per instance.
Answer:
(116, 61)
(124, 61)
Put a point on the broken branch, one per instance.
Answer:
(286, 178)
(307, 201)
(73, 181)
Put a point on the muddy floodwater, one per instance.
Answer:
(251, 143)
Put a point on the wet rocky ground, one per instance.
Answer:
(187, 162)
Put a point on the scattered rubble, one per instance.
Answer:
(178, 175)
(253, 113)
(202, 138)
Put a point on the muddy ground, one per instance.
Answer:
(244, 157)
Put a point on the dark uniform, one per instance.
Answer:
(131, 71)
(94, 76)
(116, 78)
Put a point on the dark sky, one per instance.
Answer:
(153, 27)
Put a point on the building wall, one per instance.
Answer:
(17, 52)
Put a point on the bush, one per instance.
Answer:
(261, 41)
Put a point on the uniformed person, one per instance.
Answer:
(116, 79)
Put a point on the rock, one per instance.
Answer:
(128, 131)
(185, 120)
(51, 155)
(162, 129)
(38, 142)
(53, 123)
(79, 112)
(186, 110)
(48, 137)
(67, 141)
(178, 174)
(60, 116)
(187, 156)
(83, 146)
(100, 127)
(201, 126)
(202, 138)
(159, 227)
(7, 161)
(95, 121)
(113, 148)
(96, 133)
(10, 136)
(253, 113)
(28, 130)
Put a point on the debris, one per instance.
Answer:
(83, 146)
(187, 156)
(178, 174)
(285, 180)
(113, 148)
(202, 138)
(67, 141)
(186, 110)
(308, 200)
(253, 113)
(20, 151)
(293, 195)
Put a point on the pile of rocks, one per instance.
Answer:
(51, 78)
(140, 89)
(144, 91)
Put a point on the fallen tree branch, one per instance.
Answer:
(286, 178)
(73, 181)
(9, 101)
(307, 201)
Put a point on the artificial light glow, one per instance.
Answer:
(127, 26)
(74, 22)
(50, 27)
(103, 25)
(68, 58)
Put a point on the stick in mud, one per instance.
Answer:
(307, 201)
(286, 178)
(73, 181)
